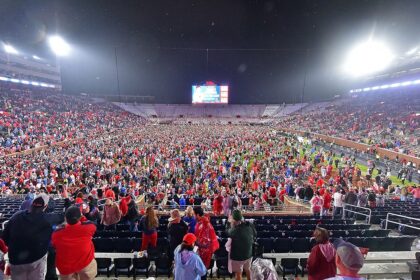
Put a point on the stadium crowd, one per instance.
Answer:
(385, 121)
(118, 169)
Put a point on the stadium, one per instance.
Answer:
(199, 140)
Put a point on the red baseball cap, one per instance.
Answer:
(189, 239)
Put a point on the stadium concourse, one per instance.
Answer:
(118, 162)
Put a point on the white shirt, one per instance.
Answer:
(338, 199)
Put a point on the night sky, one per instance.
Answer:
(260, 48)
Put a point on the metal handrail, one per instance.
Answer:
(360, 213)
(402, 216)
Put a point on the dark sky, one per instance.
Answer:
(260, 48)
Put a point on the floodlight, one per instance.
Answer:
(10, 49)
(15, 80)
(4, 79)
(36, 57)
(367, 58)
(59, 46)
(406, 83)
(412, 51)
(34, 83)
(24, 82)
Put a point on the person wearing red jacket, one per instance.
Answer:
(321, 261)
(75, 253)
(124, 201)
(207, 242)
(327, 203)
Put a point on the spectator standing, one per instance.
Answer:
(404, 193)
(189, 219)
(327, 203)
(177, 228)
(242, 234)
(321, 261)
(133, 215)
(27, 235)
(149, 224)
(309, 193)
(75, 253)
(338, 203)
(188, 265)
(316, 204)
(416, 194)
(111, 215)
(351, 199)
(206, 237)
(372, 199)
(362, 198)
(349, 260)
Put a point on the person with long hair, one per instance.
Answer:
(321, 261)
(188, 265)
(189, 219)
(149, 224)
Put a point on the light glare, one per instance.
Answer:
(59, 46)
(10, 49)
(367, 58)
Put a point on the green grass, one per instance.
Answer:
(363, 168)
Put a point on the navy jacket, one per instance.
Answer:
(28, 235)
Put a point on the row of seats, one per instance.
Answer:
(125, 245)
(134, 266)
(267, 234)
(301, 245)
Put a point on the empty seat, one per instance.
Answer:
(289, 266)
(123, 245)
(122, 266)
(404, 243)
(103, 244)
(141, 266)
(163, 266)
(267, 244)
(300, 245)
(282, 245)
(104, 266)
(359, 242)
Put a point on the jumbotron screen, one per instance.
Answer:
(210, 94)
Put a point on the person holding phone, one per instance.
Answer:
(188, 264)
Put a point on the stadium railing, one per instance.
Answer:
(357, 212)
(398, 223)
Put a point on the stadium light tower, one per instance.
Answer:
(367, 58)
(59, 46)
(10, 49)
